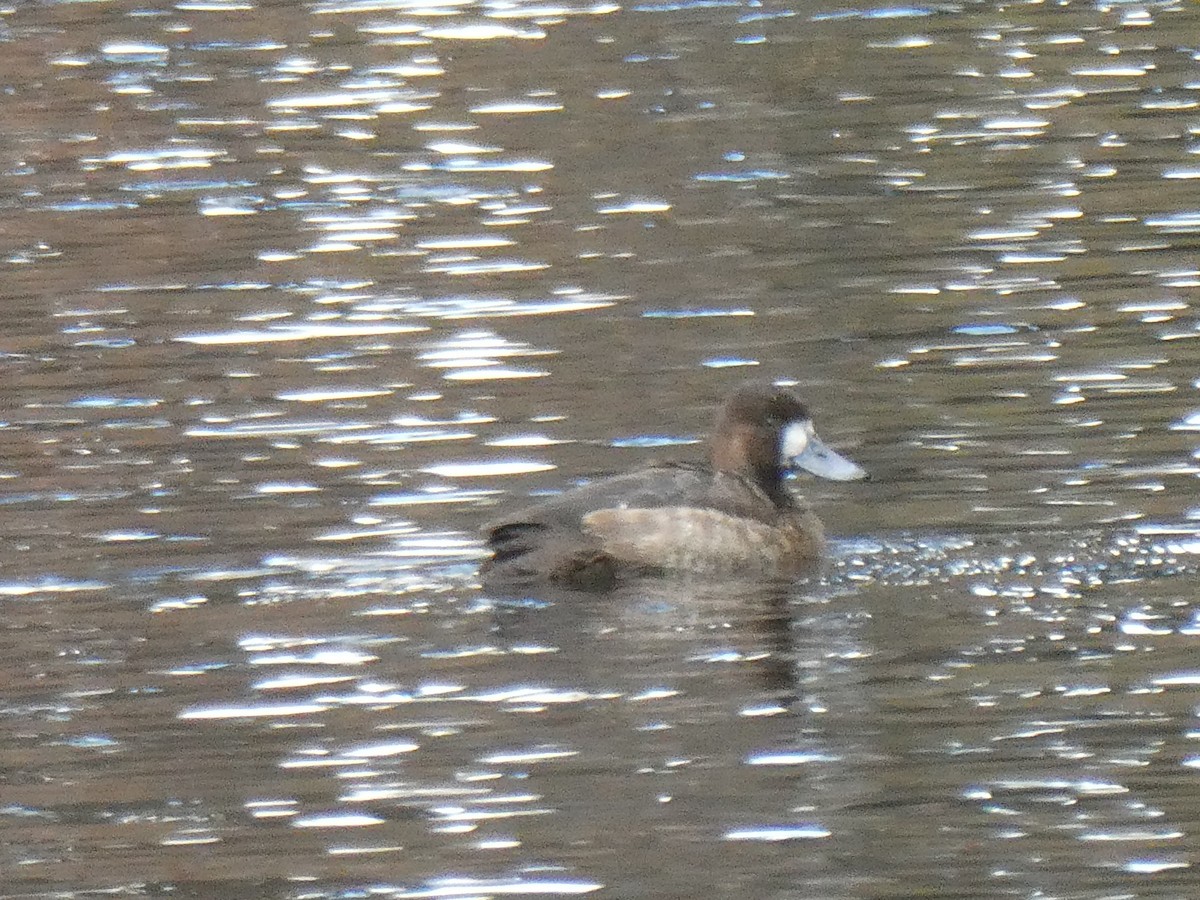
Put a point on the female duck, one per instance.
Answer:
(732, 517)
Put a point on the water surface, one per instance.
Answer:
(295, 296)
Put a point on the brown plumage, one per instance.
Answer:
(734, 517)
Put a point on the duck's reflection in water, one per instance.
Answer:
(651, 632)
(701, 727)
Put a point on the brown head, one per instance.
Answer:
(763, 431)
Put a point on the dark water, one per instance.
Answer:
(296, 295)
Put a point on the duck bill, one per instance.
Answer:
(823, 461)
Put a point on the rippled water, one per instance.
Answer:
(295, 296)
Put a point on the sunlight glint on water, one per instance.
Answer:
(295, 303)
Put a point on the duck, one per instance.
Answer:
(734, 516)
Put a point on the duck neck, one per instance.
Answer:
(770, 480)
(735, 454)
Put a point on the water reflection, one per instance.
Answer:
(295, 298)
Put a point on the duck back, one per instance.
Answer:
(660, 518)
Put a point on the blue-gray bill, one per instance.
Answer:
(804, 450)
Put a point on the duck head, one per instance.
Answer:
(763, 432)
